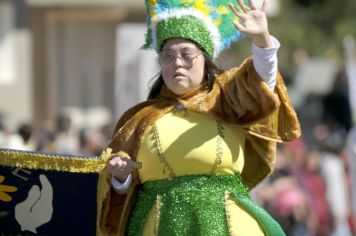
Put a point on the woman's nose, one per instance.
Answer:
(179, 62)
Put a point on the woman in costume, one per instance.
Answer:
(185, 159)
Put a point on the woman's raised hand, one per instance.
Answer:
(253, 22)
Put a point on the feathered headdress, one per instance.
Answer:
(206, 22)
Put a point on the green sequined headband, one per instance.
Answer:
(177, 28)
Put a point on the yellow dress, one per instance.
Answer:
(238, 96)
(184, 143)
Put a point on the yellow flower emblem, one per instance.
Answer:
(4, 189)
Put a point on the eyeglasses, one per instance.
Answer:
(187, 57)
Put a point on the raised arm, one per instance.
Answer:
(253, 23)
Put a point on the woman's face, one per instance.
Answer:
(182, 64)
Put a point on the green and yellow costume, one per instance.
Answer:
(200, 154)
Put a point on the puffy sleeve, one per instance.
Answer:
(266, 115)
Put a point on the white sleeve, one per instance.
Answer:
(121, 188)
(266, 63)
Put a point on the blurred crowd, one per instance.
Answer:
(60, 137)
(312, 191)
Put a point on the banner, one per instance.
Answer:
(50, 194)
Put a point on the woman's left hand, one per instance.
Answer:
(253, 22)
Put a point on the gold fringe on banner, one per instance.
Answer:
(55, 162)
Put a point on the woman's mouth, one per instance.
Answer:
(178, 74)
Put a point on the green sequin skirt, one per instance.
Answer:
(195, 205)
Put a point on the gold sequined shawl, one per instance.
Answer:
(238, 96)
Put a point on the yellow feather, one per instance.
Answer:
(202, 7)
(223, 10)
(217, 22)
(151, 4)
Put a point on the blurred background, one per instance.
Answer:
(70, 68)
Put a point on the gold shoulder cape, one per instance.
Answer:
(238, 96)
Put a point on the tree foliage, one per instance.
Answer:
(318, 26)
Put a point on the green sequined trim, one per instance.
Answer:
(187, 27)
(195, 205)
